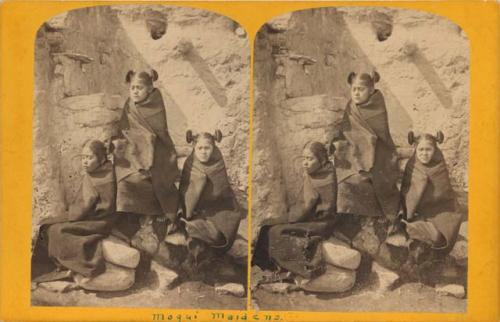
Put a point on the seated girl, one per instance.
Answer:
(365, 158)
(430, 210)
(294, 246)
(72, 241)
(211, 215)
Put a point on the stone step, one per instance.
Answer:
(340, 254)
(114, 278)
(334, 280)
(118, 252)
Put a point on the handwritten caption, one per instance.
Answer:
(216, 317)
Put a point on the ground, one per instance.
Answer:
(145, 293)
(366, 296)
(411, 297)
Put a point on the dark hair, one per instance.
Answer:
(369, 79)
(193, 138)
(98, 148)
(147, 77)
(434, 139)
(319, 151)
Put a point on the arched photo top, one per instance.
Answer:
(132, 79)
(355, 81)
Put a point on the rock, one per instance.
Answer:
(176, 239)
(391, 257)
(75, 82)
(166, 276)
(57, 22)
(464, 230)
(340, 254)
(366, 240)
(114, 278)
(382, 25)
(257, 277)
(397, 240)
(118, 252)
(302, 59)
(254, 305)
(334, 280)
(84, 59)
(451, 273)
(240, 32)
(316, 102)
(91, 102)
(231, 289)
(409, 49)
(184, 47)
(455, 290)
(459, 252)
(386, 277)
(239, 250)
(96, 118)
(58, 286)
(280, 23)
(157, 27)
(281, 288)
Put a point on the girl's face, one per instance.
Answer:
(90, 162)
(360, 92)
(138, 90)
(425, 151)
(310, 162)
(203, 150)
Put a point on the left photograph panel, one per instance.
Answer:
(140, 159)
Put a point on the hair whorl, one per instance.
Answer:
(218, 135)
(154, 75)
(350, 77)
(411, 138)
(439, 137)
(128, 77)
(189, 136)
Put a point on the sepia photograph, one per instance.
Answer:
(360, 162)
(140, 159)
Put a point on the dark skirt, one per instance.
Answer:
(72, 245)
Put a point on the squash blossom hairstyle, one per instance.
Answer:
(368, 79)
(146, 77)
(433, 139)
(194, 137)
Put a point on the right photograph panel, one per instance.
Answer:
(360, 162)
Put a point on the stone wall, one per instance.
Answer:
(81, 60)
(302, 60)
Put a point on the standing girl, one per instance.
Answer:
(147, 195)
(366, 159)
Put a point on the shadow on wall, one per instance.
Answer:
(176, 121)
(201, 67)
(416, 56)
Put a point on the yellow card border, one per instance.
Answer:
(19, 21)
